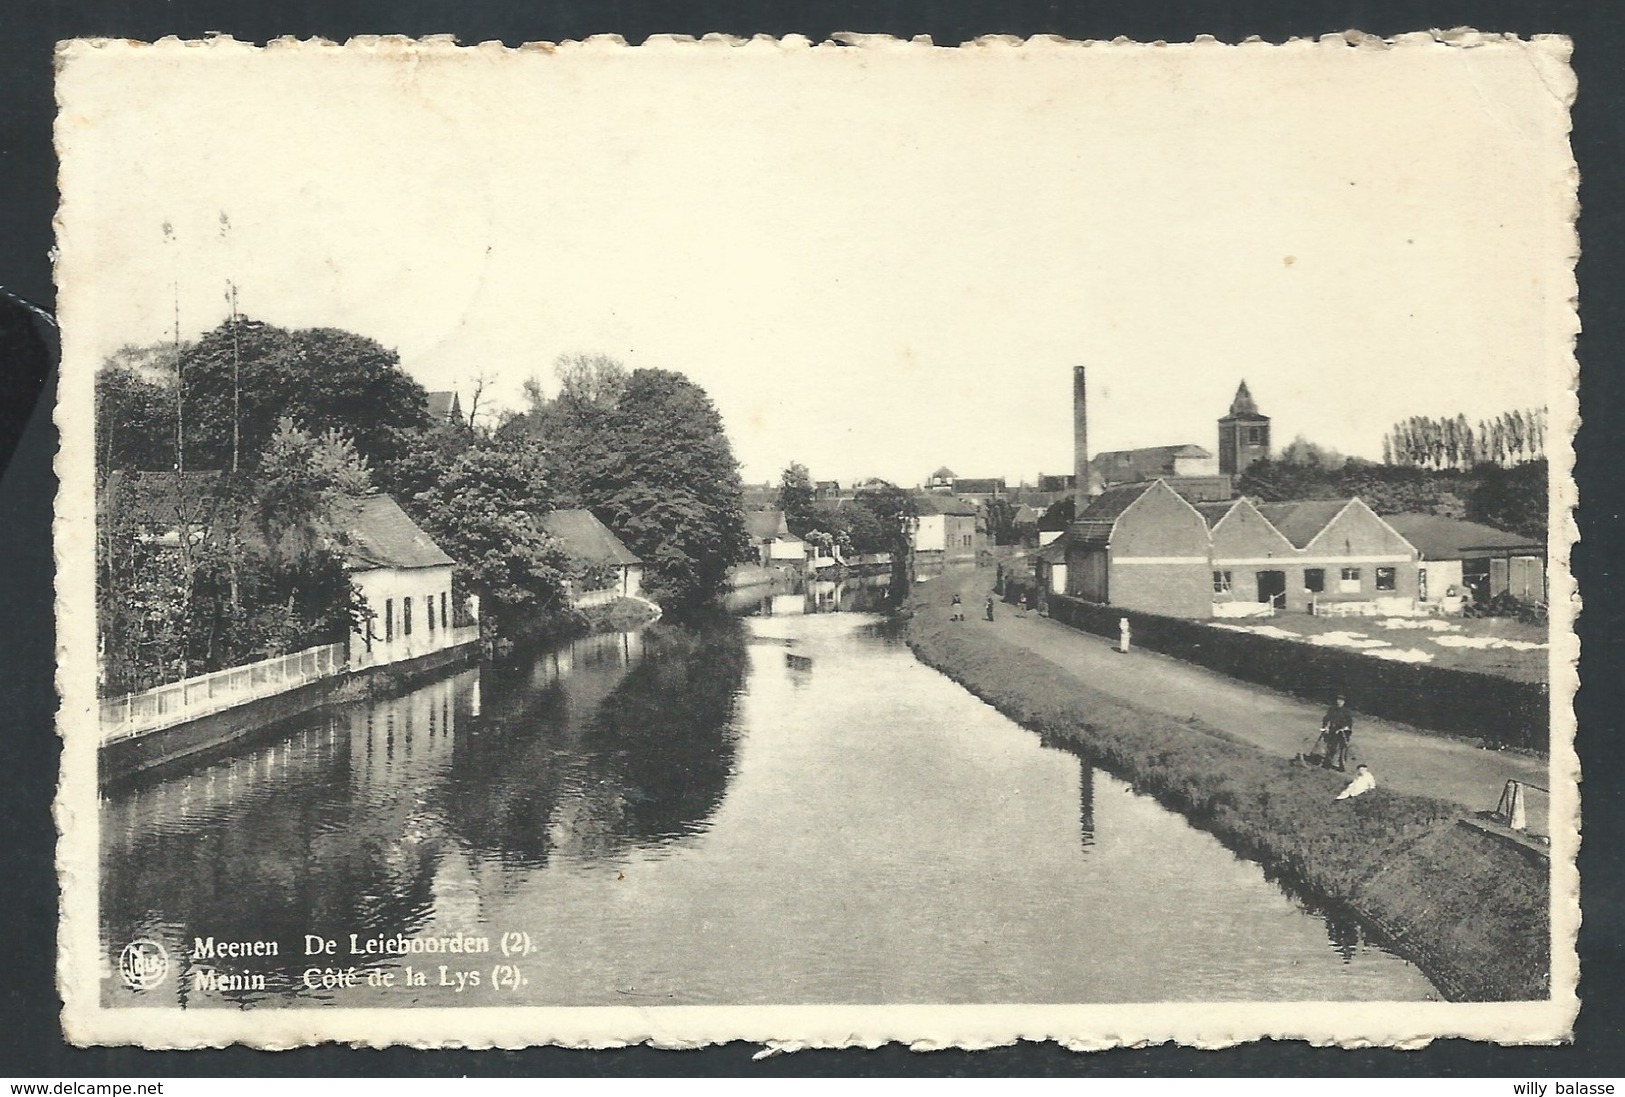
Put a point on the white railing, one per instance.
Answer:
(167, 705)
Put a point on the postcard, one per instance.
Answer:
(817, 543)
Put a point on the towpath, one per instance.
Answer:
(1402, 758)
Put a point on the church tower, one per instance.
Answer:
(1244, 434)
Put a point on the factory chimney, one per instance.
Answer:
(1080, 440)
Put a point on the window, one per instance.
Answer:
(1314, 580)
(389, 619)
(406, 616)
(1422, 584)
(1221, 582)
(1350, 581)
(1385, 578)
(444, 620)
(1255, 436)
(428, 608)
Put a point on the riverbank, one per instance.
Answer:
(1472, 913)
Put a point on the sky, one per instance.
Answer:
(876, 260)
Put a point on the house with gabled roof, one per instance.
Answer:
(590, 542)
(947, 529)
(405, 580)
(1348, 560)
(773, 541)
(1144, 547)
(162, 507)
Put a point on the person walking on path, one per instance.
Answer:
(956, 612)
(990, 607)
(1338, 728)
(1364, 781)
(1021, 603)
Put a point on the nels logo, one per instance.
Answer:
(143, 964)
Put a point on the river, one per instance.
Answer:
(781, 807)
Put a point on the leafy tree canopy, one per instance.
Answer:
(321, 377)
(796, 499)
(650, 458)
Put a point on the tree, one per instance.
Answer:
(1001, 521)
(796, 498)
(657, 468)
(1513, 498)
(485, 513)
(322, 378)
(135, 419)
(1301, 451)
(422, 454)
(866, 531)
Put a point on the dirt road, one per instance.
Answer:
(1402, 758)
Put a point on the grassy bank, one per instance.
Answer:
(1469, 912)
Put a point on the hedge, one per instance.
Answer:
(1500, 711)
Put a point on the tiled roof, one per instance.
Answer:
(378, 534)
(1213, 512)
(984, 486)
(586, 538)
(1147, 463)
(1054, 552)
(1439, 538)
(765, 524)
(1094, 525)
(1299, 522)
(944, 504)
(161, 498)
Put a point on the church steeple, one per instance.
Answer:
(1244, 434)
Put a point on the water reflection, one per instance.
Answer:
(798, 596)
(781, 808)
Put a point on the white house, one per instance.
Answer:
(406, 581)
(588, 540)
(774, 542)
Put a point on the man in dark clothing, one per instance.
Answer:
(1337, 727)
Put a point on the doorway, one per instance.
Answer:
(1272, 588)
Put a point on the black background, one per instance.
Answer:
(30, 1038)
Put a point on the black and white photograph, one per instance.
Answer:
(817, 543)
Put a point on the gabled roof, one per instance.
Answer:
(1054, 552)
(587, 539)
(1243, 407)
(1299, 522)
(984, 486)
(443, 405)
(1026, 515)
(1094, 525)
(1147, 463)
(1441, 538)
(944, 504)
(1214, 512)
(160, 498)
(764, 525)
(378, 534)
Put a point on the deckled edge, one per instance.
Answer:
(85, 1023)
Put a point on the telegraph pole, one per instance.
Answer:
(236, 377)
